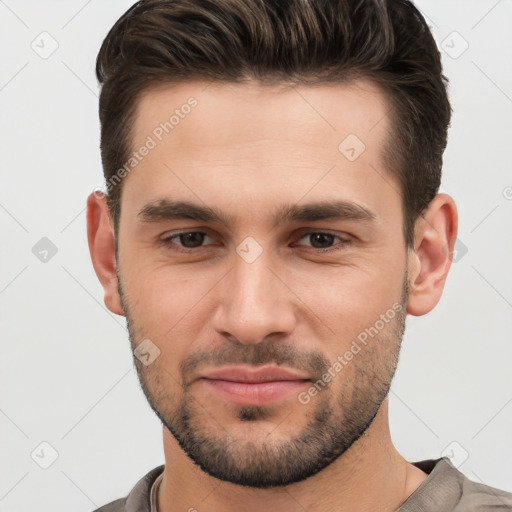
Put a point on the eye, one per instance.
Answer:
(189, 240)
(323, 241)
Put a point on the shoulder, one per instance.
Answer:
(139, 497)
(479, 497)
(114, 506)
(448, 489)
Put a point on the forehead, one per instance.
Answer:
(321, 115)
(222, 141)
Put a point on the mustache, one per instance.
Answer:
(258, 354)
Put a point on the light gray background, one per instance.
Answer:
(66, 372)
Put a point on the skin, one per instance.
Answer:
(248, 149)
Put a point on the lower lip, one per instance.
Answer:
(261, 393)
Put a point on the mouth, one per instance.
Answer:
(250, 393)
(245, 386)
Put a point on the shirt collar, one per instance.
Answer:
(154, 493)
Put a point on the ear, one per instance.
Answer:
(430, 261)
(100, 235)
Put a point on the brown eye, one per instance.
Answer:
(191, 240)
(323, 241)
(188, 240)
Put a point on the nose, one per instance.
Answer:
(254, 302)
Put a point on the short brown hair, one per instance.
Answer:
(283, 41)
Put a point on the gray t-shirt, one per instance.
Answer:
(445, 489)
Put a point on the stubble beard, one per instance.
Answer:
(334, 423)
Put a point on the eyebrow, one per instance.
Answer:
(166, 209)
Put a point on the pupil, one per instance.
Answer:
(185, 238)
(322, 236)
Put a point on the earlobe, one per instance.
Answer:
(102, 249)
(430, 262)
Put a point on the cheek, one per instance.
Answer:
(349, 298)
(163, 292)
(168, 309)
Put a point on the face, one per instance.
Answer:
(255, 234)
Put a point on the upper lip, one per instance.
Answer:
(243, 374)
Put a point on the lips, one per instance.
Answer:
(247, 375)
(246, 386)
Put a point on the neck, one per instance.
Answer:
(370, 476)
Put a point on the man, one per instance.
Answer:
(271, 216)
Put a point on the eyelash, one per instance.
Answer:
(167, 241)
